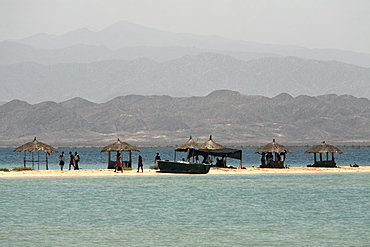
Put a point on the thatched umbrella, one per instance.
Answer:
(273, 147)
(324, 148)
(35, 146)
(119, 146)
(276, 148)
(186, 146)
(210, 144)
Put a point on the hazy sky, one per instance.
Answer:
(340, 24)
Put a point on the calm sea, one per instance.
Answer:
(187, 210)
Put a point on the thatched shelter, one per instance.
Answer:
(119, 146)
(186, 146)
(211, 148)
(35, 146)
(270, 161)
(210, 144)
(320, 149)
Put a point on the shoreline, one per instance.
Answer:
(150, 172)
(235, 146)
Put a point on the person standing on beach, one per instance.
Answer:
(157, 158)
(77, 160)
(140, 164)
(61, 161)
(71, 160)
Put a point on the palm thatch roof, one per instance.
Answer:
(323, 148)
(210, 144)
(36, 146)
(273, 147)
(188, 145)
(119, 146)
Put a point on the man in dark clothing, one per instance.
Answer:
(77, 160)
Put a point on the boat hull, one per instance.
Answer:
(182, 167)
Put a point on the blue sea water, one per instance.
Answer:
(187, 210)
(91, 158)
(330, 209)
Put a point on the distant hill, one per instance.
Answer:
(135, 41)
(187, 76)
(12, 52)
(127, 34)
(231, 117)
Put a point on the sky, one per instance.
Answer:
(338, 24)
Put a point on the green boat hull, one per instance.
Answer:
(182, 167)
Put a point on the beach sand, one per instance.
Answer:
(149, 172)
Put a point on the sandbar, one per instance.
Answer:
(150, 172)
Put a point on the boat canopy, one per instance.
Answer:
(224, 152)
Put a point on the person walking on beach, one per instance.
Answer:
(61, 161)
(140, 164)
(77, 160)
(118, 166)
(71, 161)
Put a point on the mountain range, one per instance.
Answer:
(127, 58)
(231, 117)
(126, 40)
(185, 76)
(152, 87)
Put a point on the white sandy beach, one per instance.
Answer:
(149, 172)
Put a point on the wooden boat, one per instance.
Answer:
(182, 167)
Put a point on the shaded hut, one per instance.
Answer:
(222, 153)
(118, 147)
(211, 145)
(32, 147)
(211, 148)
(268, 160)
(186, 146)
(326, 149)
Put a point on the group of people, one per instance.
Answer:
(268, 157)
(221, 162)
(119, 166)
(74, 160)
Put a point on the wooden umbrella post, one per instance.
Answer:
(130, 159)
(24, 159)
(47, 161)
